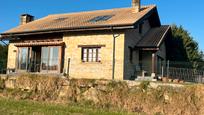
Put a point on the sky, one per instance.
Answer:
(187, 13)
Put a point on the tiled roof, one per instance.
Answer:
(120, 17)
(154, 37)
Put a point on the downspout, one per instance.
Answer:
(113, 62)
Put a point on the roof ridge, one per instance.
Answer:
(102, 10)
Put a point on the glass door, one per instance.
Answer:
(50, 59)
(53, 59)
(23, 59)
(44, 59)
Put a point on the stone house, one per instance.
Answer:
(119, 44)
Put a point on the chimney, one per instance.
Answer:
(26, 18)
(136, 5)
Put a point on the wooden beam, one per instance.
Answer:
(100, 45)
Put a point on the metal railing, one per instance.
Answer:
(186, 74)
(174, 70)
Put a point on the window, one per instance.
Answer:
(101, 18)
(91, 54)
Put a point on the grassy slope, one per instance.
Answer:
(14, 107)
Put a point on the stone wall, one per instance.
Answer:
(140, 97)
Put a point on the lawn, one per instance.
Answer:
(22, 107)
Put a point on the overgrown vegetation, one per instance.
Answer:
(106, 95)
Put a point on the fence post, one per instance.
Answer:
(168, 68)
(68, 67)
(162, 71)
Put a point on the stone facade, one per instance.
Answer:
(125, 66)
(96, 70)
(12, 54)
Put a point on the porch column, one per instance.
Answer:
(153, 65)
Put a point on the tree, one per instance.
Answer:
(182, 47)
(3, 57)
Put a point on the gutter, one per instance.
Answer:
(91, 28)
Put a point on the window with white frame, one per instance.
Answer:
(91, 54)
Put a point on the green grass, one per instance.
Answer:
(22, 107)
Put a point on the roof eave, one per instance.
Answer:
(61, 30)
(150, 48)
(164, 36)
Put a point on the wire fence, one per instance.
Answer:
(187, 71)
(186, 74)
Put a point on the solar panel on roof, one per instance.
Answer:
(101, 18)
(60, 19)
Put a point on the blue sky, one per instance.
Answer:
(181, 12)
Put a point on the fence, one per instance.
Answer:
(174, 70)
(187, 71)
(191, 75)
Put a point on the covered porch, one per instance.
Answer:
(152, 53)
(38, 56)
(150, 63)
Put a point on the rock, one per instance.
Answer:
(176, 81)
(78, 91)
(154, 85)
(170, 80)
(10, 83)
(102, 88)
(64, 91)
(132, 83)
(181, 81)
(82, 86)
(154, 80)
(165, 79)
(65, 83)
(166, 97)
(102, 82)
(91, 95)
